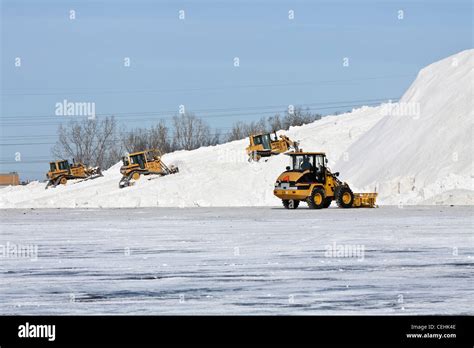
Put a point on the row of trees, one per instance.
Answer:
(102, 142)
(296, 117)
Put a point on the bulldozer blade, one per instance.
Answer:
(124, 182)
(53, 183)
(173, 170)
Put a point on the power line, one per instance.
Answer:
(141, 119)
(277, 108)
(196, 89)
(111, 141)
(36, 137)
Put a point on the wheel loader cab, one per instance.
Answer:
(314, 162)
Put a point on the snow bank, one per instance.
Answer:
(411, 152)
(422, 147)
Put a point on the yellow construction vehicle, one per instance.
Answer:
(309, 179)
(146, 162)
(62, 171)
(264, 145)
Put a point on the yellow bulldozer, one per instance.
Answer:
(146, 162)
(61, 171)
(264, 145)
(308, 179)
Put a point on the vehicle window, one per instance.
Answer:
(52, 166)
(266, 141)
(137, 159)
(303, 162)
(319, 161)
(257, 140)
(63, 165)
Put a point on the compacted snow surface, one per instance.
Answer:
(397, 260)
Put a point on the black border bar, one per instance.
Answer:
(242, 330)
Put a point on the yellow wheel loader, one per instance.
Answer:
(62, 171)
(146, 162)
(308, 179)
(264, 145)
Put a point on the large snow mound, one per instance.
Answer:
(418, 151)
(421, 150)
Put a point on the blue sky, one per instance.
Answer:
(191, 61)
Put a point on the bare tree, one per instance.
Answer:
(92, 142)
(158, 138)
(256, 127)
(215, 138)
(140, 139)
(241, 130)
(190, 132)
(299, 117)
(274, 123)
(237, 132)
(135, 140)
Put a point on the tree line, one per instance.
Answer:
(102, 142)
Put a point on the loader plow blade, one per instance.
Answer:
(364, 200)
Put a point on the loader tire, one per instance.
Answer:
(327, 202)
(317, 198)
(63, 180)
(344, 197)
(290, 203)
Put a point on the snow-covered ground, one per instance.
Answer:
(418, 151)
(394, 260)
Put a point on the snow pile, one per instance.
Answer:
(210, 176)
(409, 159)
(421, 150)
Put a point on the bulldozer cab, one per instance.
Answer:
(139, 159)
(64, 165)
(59, 166)
(263, 139)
